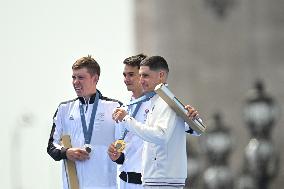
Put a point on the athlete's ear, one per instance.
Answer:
(162, 76)
(96, 78)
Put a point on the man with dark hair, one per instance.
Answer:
(87, 120)
(131, 74)
(130, 158)
(164, 161)
(156, 63)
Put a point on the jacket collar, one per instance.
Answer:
(92, 98)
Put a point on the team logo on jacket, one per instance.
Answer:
(146, 113)
(71, 117)
(100, 116)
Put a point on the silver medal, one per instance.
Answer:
(88, 148)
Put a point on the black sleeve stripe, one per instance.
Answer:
(55, 153)
(120, 160)
(110, 99)
(68, 101)
(190, 131)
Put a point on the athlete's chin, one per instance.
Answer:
(146, 90)
(129, 87)
(79, 94)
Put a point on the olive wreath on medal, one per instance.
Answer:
(119, 145)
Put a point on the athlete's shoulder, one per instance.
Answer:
(68, 101)
(63, 105)
(107, 99)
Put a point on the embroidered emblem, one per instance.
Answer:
(146, 113)
(100, 116)
(71, 117)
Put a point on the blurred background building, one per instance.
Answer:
(216, 50)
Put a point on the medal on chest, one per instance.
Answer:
(89, 131)
(119, 145)
(88, 148)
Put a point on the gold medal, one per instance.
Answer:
(119, 145)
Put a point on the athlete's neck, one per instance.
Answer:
(87, 97)
(137, 93)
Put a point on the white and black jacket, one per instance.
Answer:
(164, 161)
(98, 172)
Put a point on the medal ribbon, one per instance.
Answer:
(141, 99)
(89, 131)
(138, 103)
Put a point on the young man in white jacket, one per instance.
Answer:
(130, 159)
(87, 120)
(164, 161)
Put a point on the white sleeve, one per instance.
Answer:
(160, 130)
(188, 129)
(58, 132)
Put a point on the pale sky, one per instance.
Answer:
(39, 42)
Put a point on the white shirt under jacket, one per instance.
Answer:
(98, 172)
(134, 144)
(164, 160)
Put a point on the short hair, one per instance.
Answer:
(156, 63)
(134, 61)
(88, 62)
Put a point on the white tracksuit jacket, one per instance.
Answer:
(98, 172)
(134, 144)
(164, 160)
